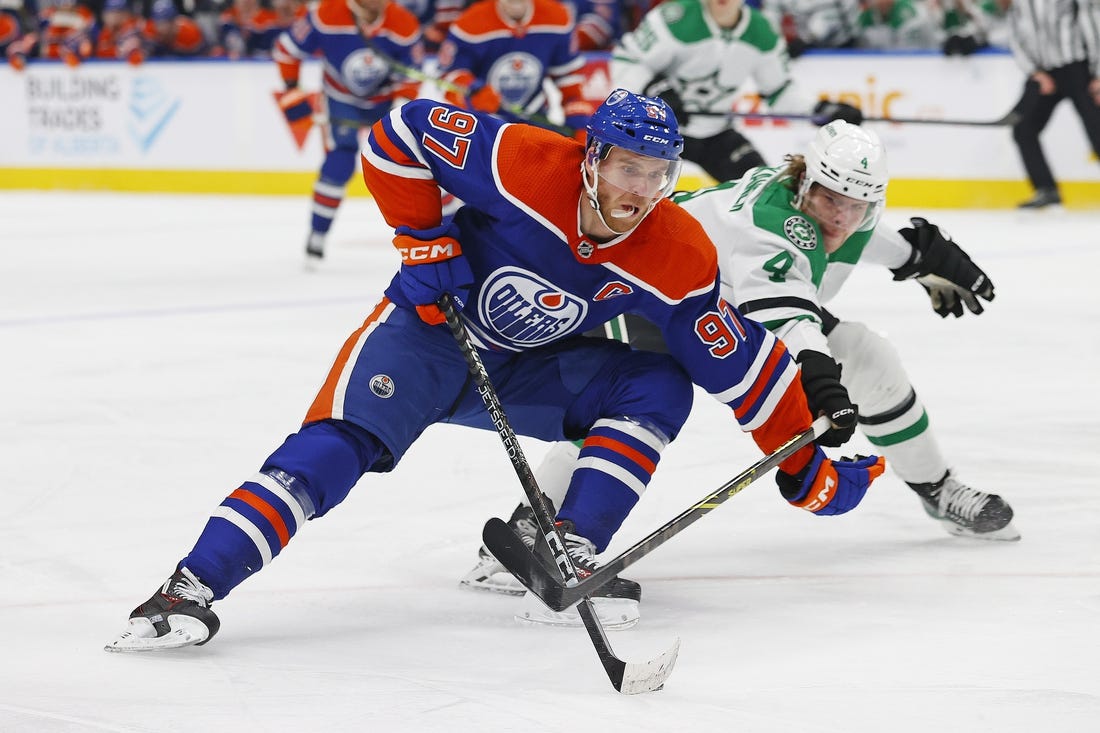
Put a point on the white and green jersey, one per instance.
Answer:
(707, 64)
(772, 256)
(819, 23)
(906, 25)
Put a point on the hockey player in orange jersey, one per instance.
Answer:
(554, 238)
(361, 42)
(498, 53)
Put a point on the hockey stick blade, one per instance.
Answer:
(558, 595)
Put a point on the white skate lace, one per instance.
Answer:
(963, 501)
(191, 588)
(527, 531)
(581, 550)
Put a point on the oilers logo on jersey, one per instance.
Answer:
(364, 72)
(517, 76)
(382, 385)
(527, 310)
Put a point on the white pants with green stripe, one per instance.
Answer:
(890, 413)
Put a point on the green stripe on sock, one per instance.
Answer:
(902, 435)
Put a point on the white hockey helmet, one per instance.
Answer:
(851, 161)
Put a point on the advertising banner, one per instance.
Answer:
(216, 126)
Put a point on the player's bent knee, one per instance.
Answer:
(654, 390)
(871, 368)
(325, 459)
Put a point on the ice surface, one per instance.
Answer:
(154, 349)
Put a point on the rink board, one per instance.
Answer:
(215, 127)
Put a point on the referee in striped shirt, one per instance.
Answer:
(1057, 44)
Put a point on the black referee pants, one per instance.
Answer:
(1035, 109)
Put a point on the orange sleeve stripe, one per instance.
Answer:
(790, 417)
(415, 203)
(378, 132)
(269, 512)
(321, 409)
(600, 441)
(749, 401)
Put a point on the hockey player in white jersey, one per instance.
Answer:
(788, 237)
(816, 23)
(697, 55)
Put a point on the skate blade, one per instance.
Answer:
(615, 614)
(141, 636)
(1007, 533)
(492, 577)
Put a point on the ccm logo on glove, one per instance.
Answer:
(823, 497)
(415, 252)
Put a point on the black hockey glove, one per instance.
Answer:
(944, 270)
(662, 87)
(825, 112)
(961, 45)
(826, 395)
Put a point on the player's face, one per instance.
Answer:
(838, 216)
(514, 9)
(367, 8)
(725, 12)
(628, 185)
(114, 18)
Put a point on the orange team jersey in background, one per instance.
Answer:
(66, 31)
(515, 58)
(186, 38)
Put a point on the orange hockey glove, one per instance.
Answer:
(827, 486)
(485, 99)
(432, 263)
(295, 105)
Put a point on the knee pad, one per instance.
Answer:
(872, 371)
(325, 459)
(652, 390)
(339, 164)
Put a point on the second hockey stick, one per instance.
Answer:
(509, 549)
(416, 74)
(627, 677)
(1007, 120)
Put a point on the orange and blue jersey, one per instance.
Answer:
(184, 37)
(66, 32)
(11, 28)
(358, 65)
(515, 58)
(538, 279)
(244, 36)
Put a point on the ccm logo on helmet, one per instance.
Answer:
(655, 139)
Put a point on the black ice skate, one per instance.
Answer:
(967, 512)
(1043, 198)
(177, 615)
(616, 603)
(315, 248)
(489, 575)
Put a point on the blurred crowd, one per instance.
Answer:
(134, 30)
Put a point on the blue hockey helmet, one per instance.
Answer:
(643, 125)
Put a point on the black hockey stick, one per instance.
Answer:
(514, 109)
(627, 677)
(507, 547)
(1008, 119)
